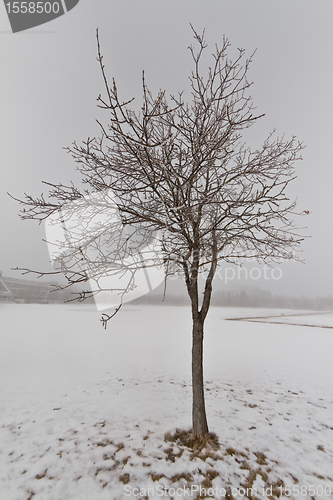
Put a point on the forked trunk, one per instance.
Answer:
(199, 419)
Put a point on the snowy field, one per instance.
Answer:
(84, 411)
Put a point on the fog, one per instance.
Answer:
(50, 80)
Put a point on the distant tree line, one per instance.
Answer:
(244, 298)
(248, 299)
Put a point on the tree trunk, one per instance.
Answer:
(199, 419)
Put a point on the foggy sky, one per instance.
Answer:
(50, 80)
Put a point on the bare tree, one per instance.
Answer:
(181, 171)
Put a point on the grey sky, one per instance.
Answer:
(50, 80)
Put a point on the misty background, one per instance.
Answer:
(50, 80)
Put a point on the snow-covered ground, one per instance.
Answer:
(84, 410)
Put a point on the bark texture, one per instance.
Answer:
(199, 419)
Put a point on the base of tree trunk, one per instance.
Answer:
(197, 444)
